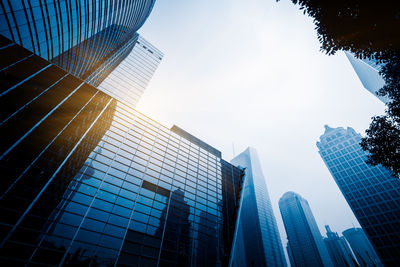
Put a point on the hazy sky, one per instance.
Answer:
(251, 73)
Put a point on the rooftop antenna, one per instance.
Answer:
(233, 149)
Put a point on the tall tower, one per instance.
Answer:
(89, 181)
(304, 239)
(77, 36)
(362, 248)
(129, 79)
(371, 191)
(338, 249)
(88, 39)
(258, 240)
(368, 73)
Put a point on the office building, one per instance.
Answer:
(304, 239)
(77, 36)
(290, 255)
(368, 73)
(88, 39)
(89, 181)
(339, 249)
(126, 83)
(258, 242)
(362, 248)
(372, 192)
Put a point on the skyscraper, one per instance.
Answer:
(304, 239)
(88, 39)
(371, 191)
(362, 248)
(258, 242)
(338, 249)
(128, 80)
(368, 73)
(89, 181)
(290, 255)
(75, 35)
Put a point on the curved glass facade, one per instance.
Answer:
(305, 242)
(362, 248)
(76, 35)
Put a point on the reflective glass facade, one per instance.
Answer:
(339, 249)
(368, 73)
(77, 35)
(362, 248)
(127, 82)
(258, 242)
(89, 181)
(371, 191)
(304, 239)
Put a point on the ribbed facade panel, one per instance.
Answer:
(76, 35)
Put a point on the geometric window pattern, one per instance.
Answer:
(372, 192)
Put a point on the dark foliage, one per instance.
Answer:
(383, 136)
(366, 28)
(369, 29)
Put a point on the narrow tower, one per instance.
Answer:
(258, 242)
(305, 240)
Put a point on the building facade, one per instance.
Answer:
(339, 249)
(372, 192)
(258, 241)
(128, 80)
(88, 39)
(362, 248)
(304, 239)
(89, 181)
(368, 73)
(75, 35)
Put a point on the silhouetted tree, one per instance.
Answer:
(369, 29)
(383, 136)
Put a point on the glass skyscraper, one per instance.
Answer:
(127, 82)
(339, 249)
(305, 242)
(87, 38)
(258, 242)
(362, 248)
(89, 181)
(75, 35)
(371, 191)
(368, 73)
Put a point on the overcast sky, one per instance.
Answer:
(251, 73)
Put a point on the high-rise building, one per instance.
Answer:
(258, 242)
(89, 181)
(127, 82)
(290, 255)
(304, 238)
(362, 248)
(339, 249)
(75, 35)
(88, 39)
(368, 73)
(372, 192)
